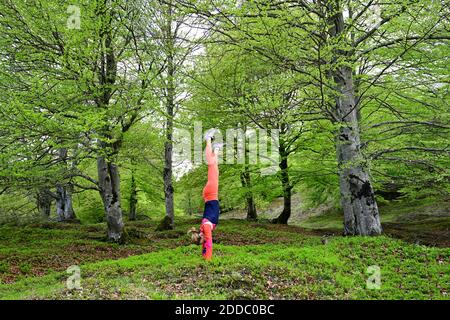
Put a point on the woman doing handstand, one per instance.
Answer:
(210, 196)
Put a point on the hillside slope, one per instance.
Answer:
(251, 261)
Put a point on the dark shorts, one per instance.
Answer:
(212, 211)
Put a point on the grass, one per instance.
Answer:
(422, 221)
(251, 261)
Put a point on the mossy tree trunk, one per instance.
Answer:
(286, 186)
(361, 216)
(109, 183)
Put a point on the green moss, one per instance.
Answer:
(4, 266)
(251, 261)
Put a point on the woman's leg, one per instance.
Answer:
(211, 189)
(210, 192)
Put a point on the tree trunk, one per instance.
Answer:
(109, 183)
(63, 196)
(108, 172)
(251, 209)
(69, 213)
(168, 187)
(287, 188)
(361, 215)
(60, 196)
(168, 221)
(188, 200)
(133, 198)
(190, 210)
(247, 184)
(44, 203)
(247, 181)
(64, 206)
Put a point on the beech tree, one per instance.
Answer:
(97, 76)
(333, 43)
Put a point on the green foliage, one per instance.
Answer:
(17, 208)
(88, 207)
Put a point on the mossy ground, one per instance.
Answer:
(420, 221)
(251, 261)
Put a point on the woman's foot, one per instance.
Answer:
(218, 145)
(209, 134)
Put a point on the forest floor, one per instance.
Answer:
(252, 260)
